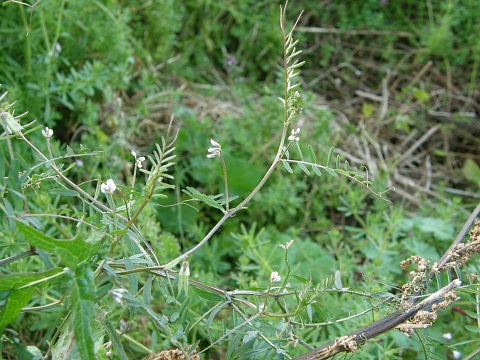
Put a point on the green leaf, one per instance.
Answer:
(471, 171)
(299, 150)
(421, 95)
(301, 279)
(340, 171)
(207, 295)
(338, 280)
(472, 314)
(83, 312)
(215, 311)
(331, 171)
(329, 157)
(11, 303)
(367, 110)
(71, 251)
(114, 338)
(16, 290)
(63, 192)
(474, 329)
(313, 158)
(24, 280)
(287, 166)
(304, 168)
(316, 170)
(12, 125)
(207, 200)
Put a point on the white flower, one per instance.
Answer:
(293, 136)
(456, 354)
(287, 245)
(447, 336)
(108, 187)
(215, 150)
(139, 160)
(47, 133)
(274, 277)
(117, 294)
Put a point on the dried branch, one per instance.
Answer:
(351, 342)
(400, 318)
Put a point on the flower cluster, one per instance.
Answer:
(287, 245)
(108, 187)
(293, 136)
(215, 150)
(274, 277)
(47, 133)
(138, 160)
(117, 294)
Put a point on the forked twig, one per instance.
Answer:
(350, 342)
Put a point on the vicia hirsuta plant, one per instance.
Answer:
(90, 270)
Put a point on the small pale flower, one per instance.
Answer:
(47, 133)
(117, 294)
(215, 150)
(58, 48)
(287, 245)
(456, 354)
(138, 160)
(447, 336)
(274, 277)
(293, 136)
(108, 187)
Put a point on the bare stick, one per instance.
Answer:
(350, 342)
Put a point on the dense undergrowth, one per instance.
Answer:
(392, 85)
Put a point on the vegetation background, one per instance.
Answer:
(392, 85)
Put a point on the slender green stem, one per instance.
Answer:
(288, 272)
(276, 161)
(225, 179)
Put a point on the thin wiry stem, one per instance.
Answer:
(287, 117)
(225, 179)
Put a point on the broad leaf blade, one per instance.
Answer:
(71, 251)
(11, 303)
(16, 290)
(207, 295)
(83, 312)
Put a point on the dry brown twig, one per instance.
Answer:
(412, 316)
